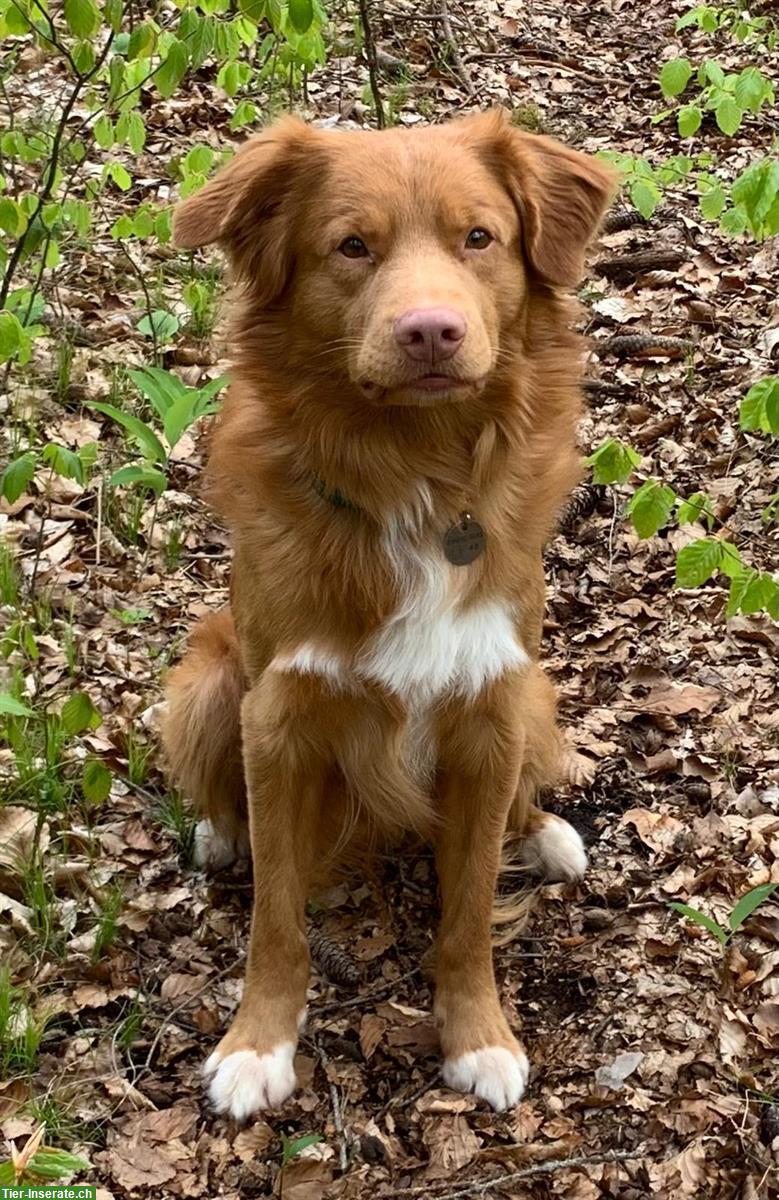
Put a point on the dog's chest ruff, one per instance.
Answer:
(433, 644)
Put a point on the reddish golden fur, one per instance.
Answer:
(319, 387)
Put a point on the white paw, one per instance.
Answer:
(244, 1081)
(213, 851)
(495, 1074)
(556, 850)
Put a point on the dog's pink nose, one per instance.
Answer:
(430, 334)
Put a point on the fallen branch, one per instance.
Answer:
(488, 1185)
(335, 1103)
(453, 49)
(371, 60)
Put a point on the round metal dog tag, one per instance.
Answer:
(465, 541)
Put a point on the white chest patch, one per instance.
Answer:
(432, 644)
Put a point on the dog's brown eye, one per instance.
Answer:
(478, 239)
(353, 247)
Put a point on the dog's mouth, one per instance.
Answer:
(423, 389)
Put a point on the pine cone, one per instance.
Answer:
(333, 961)
(585, 500)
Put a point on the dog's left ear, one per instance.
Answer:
(561, 195)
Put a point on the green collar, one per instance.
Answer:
(336, 498)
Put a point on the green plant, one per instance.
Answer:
(654, 505)
(729, 96)
(21, 1029)
(179, 820)
(177, 406)
(110, 908)
(741, 911)
(291, 1147)
(39, 1164)
(732, 19)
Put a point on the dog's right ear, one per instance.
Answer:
(249, 206)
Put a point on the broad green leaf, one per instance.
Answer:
(114, 11)
(142, 434)
(245, 114)
(13, 339)
(734, 222)
(143, 223)
(646, 196)
(697, 562)
(229, 78)
(148, 477)
(711, 72)
(13, 219)
(675, 76)
(159, 324)
(143, 40)
(650, 507)
(119, 174)
(95, 781)
(11, 707)
(730, 560)
(83, 17)
(759, 595)
(613, 462)
(172, 69)
(301, 14)
(697, 507)
(760, 407)
(51, 1163)
(63, 462)
(712, 203)
(79, 713)
(199, 160)
(689, 119)
(16, 476)
(162, 388)
(752, 90)
(748, 903)
(291, 1147)
(123, 227)
(728, 115)
(693, 914)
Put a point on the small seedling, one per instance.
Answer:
(291, 1147)
(743, 909)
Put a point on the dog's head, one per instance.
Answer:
(400, 262)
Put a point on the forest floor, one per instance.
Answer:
(653, 1048)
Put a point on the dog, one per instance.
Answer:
(396, 445)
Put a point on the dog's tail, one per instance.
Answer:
(201, 735)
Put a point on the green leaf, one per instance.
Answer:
(131, 616)
(148, 477)
(760, 407)
(172, 70)
(83, 17)
(114, 11)
(675, 76)
(12, 217)
(162, 388)
(13, 338)
(728, 115)
(688, 119)
(95, 781)
(63, 462)
(50, 1163)
(245, 114)
(103, 130)
(301, 14)
(759, 593)
(711, 72)
(11, 707)
(697, 562)
(613, 462)
(119, 174)
(650, 507)
(123, 227)
(700, 918)
(712, 202)
(752, 89)
(79, 713)
(748, 903)
(697, 507)
(16, 476)
(646, 196)
(199, 160)
(163, 325)
(291, 1147)
(734, 222)
(142, 434)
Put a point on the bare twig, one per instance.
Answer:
(485, 1186)
(452, 47)
(335, 1102)
(370, 58)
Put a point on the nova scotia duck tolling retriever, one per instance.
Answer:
(395, 448)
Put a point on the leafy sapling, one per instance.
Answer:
(741, 911)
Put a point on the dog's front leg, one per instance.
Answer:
(252, 1068)
(480, 756)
